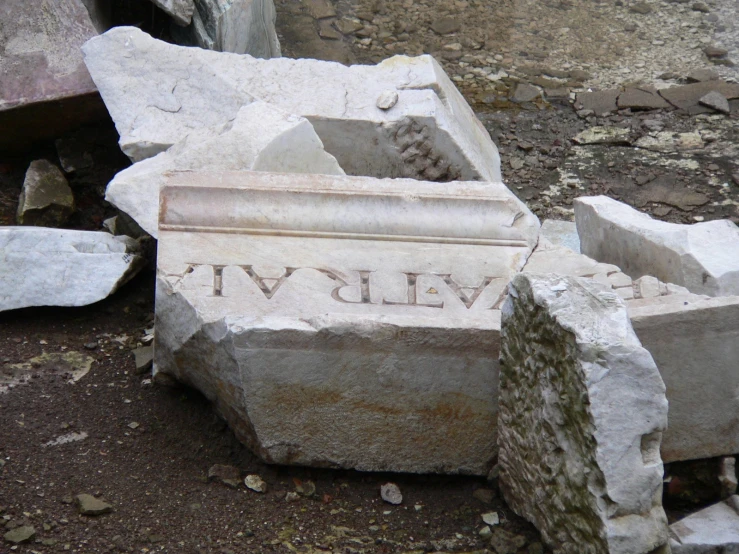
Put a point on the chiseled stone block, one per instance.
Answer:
(341, 321)
(695, 342)
(703, 257)
(582, 409)
(400, 118)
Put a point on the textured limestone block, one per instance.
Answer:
(46, 199)
(340, 321)
(53, 267)
(581, 412)
(180, 10)
(238, 26)
(695, 342)
(157, 93)
(713, 530)
(42, 75)
(260, 138)
(703, 257)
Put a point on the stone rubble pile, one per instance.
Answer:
(343, 273)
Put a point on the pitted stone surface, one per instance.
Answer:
(260, 138)
(704, 257)
(157, 93)
(341, 321)
(581, 412)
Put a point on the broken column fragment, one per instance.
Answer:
(238, 26)
(582, 409)
(703, 257)
(45, 88)
(53, 267)
(341, 321)
(260, 138)
(157, 93)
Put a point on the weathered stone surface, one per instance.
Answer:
(53, 267)
(713, 530)
(46, 199)
(341, 321)
(88, 505)
(715, 101)
(638, 99)
(260, 138)
(703, 257)
(601, 102)
(603, 135)
(561, 233)
(238, 26)
(19, 535)
(180, 10)
(581, 412)
(41, 70)
(695, 342)
(430, 134)
(688, 95)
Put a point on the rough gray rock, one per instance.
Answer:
(53, 267)
(180, 10)
(715, 101)
(390, 493)
(713, 530)
(19, 535)
(88, 505)
(582, 409)
(46, 199)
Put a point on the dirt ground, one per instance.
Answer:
(146, 449)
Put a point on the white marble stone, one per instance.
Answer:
(157, 93)
(341, 321)
(561, 233)
(582, 409)
(703, 257)
(713, 530)
(238, 26)
(695, 342)
(53, 267)
(260, 138)
(180, 10)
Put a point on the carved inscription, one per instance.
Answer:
(270, 285)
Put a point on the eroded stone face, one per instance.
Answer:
(581, 412)
(703, 257)
(341, 321)
(429, 134)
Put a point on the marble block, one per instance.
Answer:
(703, 257)
(582, 409)
(712, 530)
(695, 342)
(341, 321)
(260, 138)
(157, 93)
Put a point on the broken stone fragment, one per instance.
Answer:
(431, 134)
(260, 138)
(19, 535)
(143, 358)
(46, 199)
(703, 257)
(715, 101)
(228, 475)
(255, 483)
(582, 409)
(325, 332)
(180, 10)
(88, 505)
(603, 135)
(63, 267)
(390, 493)
(713, 530)
(237, 26)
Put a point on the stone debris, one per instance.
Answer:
(700, 75)
(687, 96)
(695, 342)
(582, 411)
(255, 483)
(431, 134)
(88, 505)
(143, 358)
(180, 10)
(728, 476)
(46, 199)
(561, 233)
(228, 475)
(491, 518)
(703, 257)
(390, 493)
(715, 101)
(66, 439)
(41, 69)
(237, 26)
(713, 530)
(639, 99)
(71, 365)
(260, 138)
(57, 264)
(20, 535)
(308, 271)
(603, 135)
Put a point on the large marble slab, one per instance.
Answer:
(340, 321)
